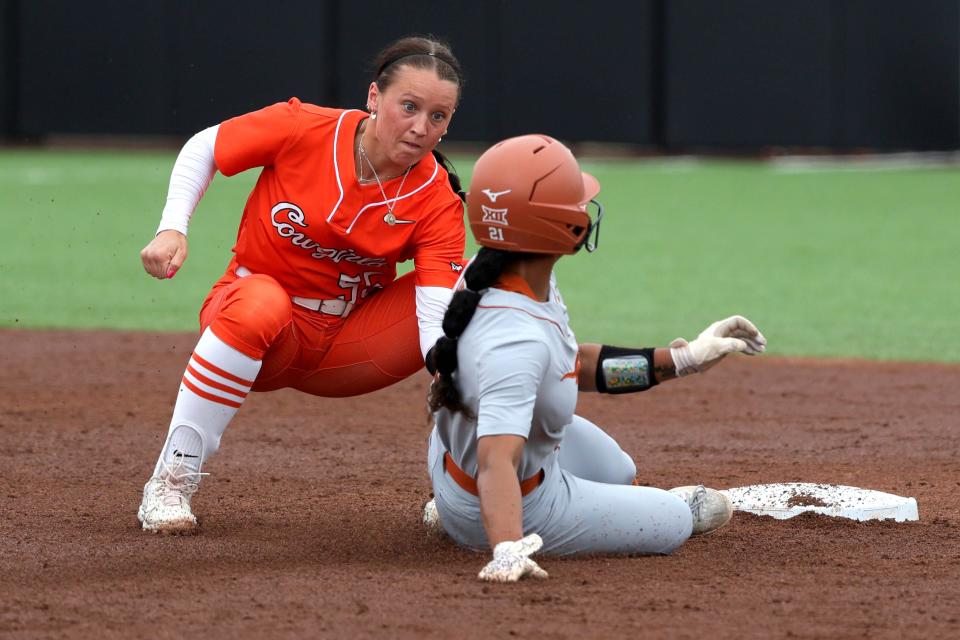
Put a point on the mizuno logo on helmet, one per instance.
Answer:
(494, 216)
(493, 195)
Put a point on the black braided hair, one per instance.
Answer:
(482, 273)
(452, 176)
(422, 52)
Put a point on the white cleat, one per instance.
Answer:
(166, 501)
(710, 508)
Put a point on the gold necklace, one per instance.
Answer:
(389, 218)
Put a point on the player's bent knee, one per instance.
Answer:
(266, 302)
(253, 315)
(626, 470)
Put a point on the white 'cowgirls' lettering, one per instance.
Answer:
(295, 216)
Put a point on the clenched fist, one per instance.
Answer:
(165, 254)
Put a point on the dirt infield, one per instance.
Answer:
(310, 519)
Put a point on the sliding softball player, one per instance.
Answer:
(513, 468)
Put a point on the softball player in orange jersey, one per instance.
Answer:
(310, 299)
(513, 468)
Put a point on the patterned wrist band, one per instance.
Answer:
(622, 370)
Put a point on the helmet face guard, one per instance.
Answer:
(593, 229)
(528, 195)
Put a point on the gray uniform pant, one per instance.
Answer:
(586, 503)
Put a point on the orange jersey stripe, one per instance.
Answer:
(576, 370)
(216, 385)
(532, 315)
(208, 396)
(220, 372)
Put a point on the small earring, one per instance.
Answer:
(440, 139)
(373, 116)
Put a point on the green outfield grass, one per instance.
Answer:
(829, 263)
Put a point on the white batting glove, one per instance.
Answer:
(735, 334)
(511, 561)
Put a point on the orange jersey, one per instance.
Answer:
(313, 227)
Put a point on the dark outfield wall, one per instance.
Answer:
(673, 74)
(8, 49)
(832, 73)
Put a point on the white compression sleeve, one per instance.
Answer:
(192, 173)
(432, 303)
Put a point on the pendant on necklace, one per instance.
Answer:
(390, 219)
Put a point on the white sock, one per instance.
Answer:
(214, 386)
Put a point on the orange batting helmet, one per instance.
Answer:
(528, 194)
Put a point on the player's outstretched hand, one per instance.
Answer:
(733, 334)
(165, 254)
(511, 561)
